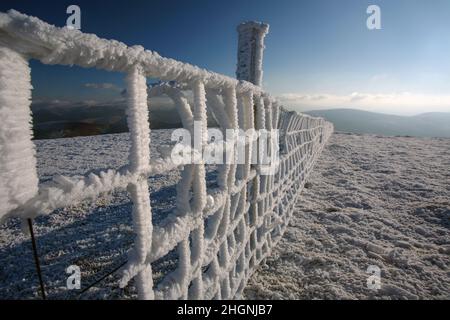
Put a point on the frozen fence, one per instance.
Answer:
(220, 235)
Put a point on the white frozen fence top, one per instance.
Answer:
(221, 234)
(39, 40)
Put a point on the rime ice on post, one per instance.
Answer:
(18, 174)
(139, 158)
(250, 51)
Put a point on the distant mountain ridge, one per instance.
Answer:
(82, 120)
(433, 124)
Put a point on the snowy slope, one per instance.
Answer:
(372, 200)
(93, 235)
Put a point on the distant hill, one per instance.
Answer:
(435, 124)
(81, 120)
(72, 121)
(51, 122)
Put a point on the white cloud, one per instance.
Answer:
(404, 103)
(104, 86)
(379, 77)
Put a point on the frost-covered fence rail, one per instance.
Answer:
(219, 235)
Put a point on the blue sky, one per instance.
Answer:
(319, 53)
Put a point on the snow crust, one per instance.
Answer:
(371, 200)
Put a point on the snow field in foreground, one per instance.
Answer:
(371, 201)
(382, 201)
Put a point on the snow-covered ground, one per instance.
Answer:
(93, 235)
(382, 201)
(371, 201)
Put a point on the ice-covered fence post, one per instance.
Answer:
(250, 51)
(139, 158)
(198, 189)
(18, 174)
(249, 68)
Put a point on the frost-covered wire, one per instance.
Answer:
(219, 235)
